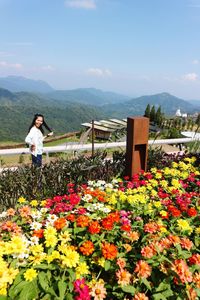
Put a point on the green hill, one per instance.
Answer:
(136, 106)
(17, 110)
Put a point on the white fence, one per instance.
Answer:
(82, 147)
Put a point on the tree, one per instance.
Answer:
(152, 114)
(147, 111)
(158, 116)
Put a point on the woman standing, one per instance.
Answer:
(35, 138)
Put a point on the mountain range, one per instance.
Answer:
(65, 110)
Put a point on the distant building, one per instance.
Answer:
(179, 114)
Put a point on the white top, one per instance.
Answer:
(35, 137)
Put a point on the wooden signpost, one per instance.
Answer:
(136, 145)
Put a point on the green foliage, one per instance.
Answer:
(52, 178)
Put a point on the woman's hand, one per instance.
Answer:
(49, 134)
(32, 148)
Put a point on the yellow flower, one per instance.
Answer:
(35, 249)
(176, 183)
(82, 269)
(34, 203)
(184, 225)
(112, 199)
(157, 204)
(21, 200)
(3, 289)
(43, 203)
(101, 261)
(197, 230)
(163, 213)
(64, 237)
(50, 236)
(54, 255)
(30, 274)
(70, 259)
(174, 165)
(154, 193)
(122, 196)
(164, 183)
(158, 175)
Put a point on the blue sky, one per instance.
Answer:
(133, 47)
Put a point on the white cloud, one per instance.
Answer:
(190, 77)
(99, 72)
(8, 65)
(195, 62)
(86, 4)
(47, 68)
(5, 54)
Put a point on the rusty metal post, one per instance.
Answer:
(136, 145)
(92, 138)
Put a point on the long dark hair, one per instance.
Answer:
(41, 126)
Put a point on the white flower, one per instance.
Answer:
(44, 210)
(35, 225)
(51, 218)
(36, 214)
(34, 240)
(87, 198)
(3, 214)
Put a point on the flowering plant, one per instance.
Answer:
(132, 239)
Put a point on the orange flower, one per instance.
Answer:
(70, 217)
(107, 223)
(123, 277)
(151, 227)
(25, 211)
(182, 270)
(186, 243)
(87, 248)
(196, 279)
(133, 236)
(140, 296)
(59, 223)
(39, 233)
(192, 294)
(126, 227)
(143, 269)
(94, 227)
(121, 262)
(82, 221)
(148, 251)
(109, 251)
(10, 212)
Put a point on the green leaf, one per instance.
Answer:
(62, 286)
(16, 288)
(29, 291)
(146, 283)
(128, 289)
(159, 296)
(107, 265)
(43, 281)
(3, 297)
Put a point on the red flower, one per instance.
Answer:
(71, 217)
(82, 221)
(191, 212)
(60, 223)
(109, 251)
(87, 248)
(126, 227)
(39, 233)
(94, 227)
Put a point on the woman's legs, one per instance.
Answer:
(37, 160)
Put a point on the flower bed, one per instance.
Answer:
(127, 239)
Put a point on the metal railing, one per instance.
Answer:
(95, 146)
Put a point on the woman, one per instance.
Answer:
(35, 138)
